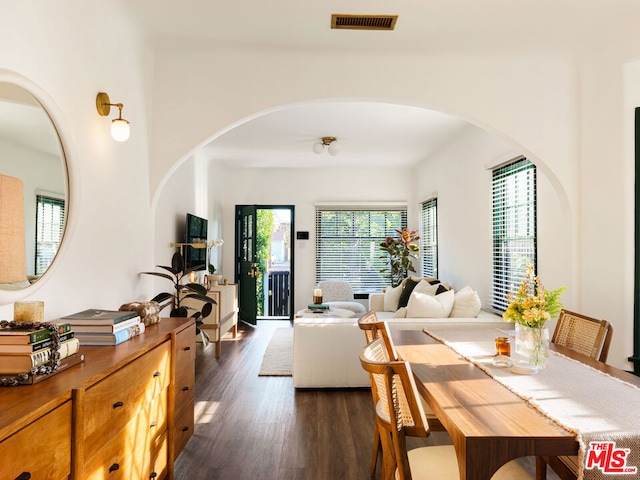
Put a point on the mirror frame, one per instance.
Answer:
(60, 126)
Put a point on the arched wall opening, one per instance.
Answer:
(458, 172)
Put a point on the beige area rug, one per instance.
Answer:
(278, 357)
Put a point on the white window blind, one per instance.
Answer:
(50, 213)
(429, 238)
(348, 244)
(514, 227)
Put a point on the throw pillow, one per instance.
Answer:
(391, 298)
(400, 313)
(408, 287)
(425, 287)
(466, 304)
(423, 305)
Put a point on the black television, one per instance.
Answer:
(195, 232)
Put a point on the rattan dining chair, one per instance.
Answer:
(376, 328)
(399, 413)
(587, 336)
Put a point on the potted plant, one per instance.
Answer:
(531, 307)
(213, 277)
(176, 273)
(400, 251)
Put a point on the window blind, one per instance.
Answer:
(50, 213)
(429, 238)
(348, 244)
(514, 227)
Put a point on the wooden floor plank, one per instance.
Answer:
(250, 427)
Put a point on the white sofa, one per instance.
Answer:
(326, 350)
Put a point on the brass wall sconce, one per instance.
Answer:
(119, 126)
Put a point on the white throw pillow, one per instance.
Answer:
(400, 313)
(466, 304)
(424, 287)
(423, 305)
(391, 297)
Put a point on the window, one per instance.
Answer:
(514, 227)
(49, 226)
(348, 244)
(429, 238)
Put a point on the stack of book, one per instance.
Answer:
(24, 349)
(318, 308)
(105, 327)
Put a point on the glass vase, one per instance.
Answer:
(533, 344)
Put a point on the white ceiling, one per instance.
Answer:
(369, 133)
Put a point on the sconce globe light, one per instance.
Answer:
(333, 147)
(119, 126)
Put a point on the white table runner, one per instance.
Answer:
(592, 404)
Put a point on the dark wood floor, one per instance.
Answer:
(250, 427)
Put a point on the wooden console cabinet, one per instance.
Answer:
(224, 316)
(126, 412)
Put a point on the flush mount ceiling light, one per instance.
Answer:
(333, 147)
(119, 126)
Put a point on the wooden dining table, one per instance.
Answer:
(488, 424)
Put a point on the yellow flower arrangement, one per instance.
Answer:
(533, 305)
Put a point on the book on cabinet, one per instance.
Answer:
(24, 336)
(95, 316)
(121, 336)
(19, 363)
(33, 347)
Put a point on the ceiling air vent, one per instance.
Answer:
(363, 22)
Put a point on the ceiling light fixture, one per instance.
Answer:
(119, 126)
(333, 147)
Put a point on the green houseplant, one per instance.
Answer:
(400, 251)
(175, 274)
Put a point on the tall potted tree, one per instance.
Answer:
(400, 251)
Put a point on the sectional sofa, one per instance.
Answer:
(326, 350)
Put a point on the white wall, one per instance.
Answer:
(569, 113)
(59, 52)
(566, 113)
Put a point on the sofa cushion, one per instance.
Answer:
(355, 307)
(391, 298)
(408, 285)
(466, 303)
(400, 313)
(424, 305)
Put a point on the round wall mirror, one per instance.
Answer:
(33, 189)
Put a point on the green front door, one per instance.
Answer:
(246, 262)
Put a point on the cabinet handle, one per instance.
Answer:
(114, 467)
(153, 475)
(24, 476)
(184, 429)
(186, 349)
(184, 389)
(153, 424)
(157, 374)
(118, 404)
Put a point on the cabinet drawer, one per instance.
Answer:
(185, 357)
(156, 461)
(126, 453)
(115, 401)
(42, 448)
(183, 427)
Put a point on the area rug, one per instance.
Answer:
(278, 357)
